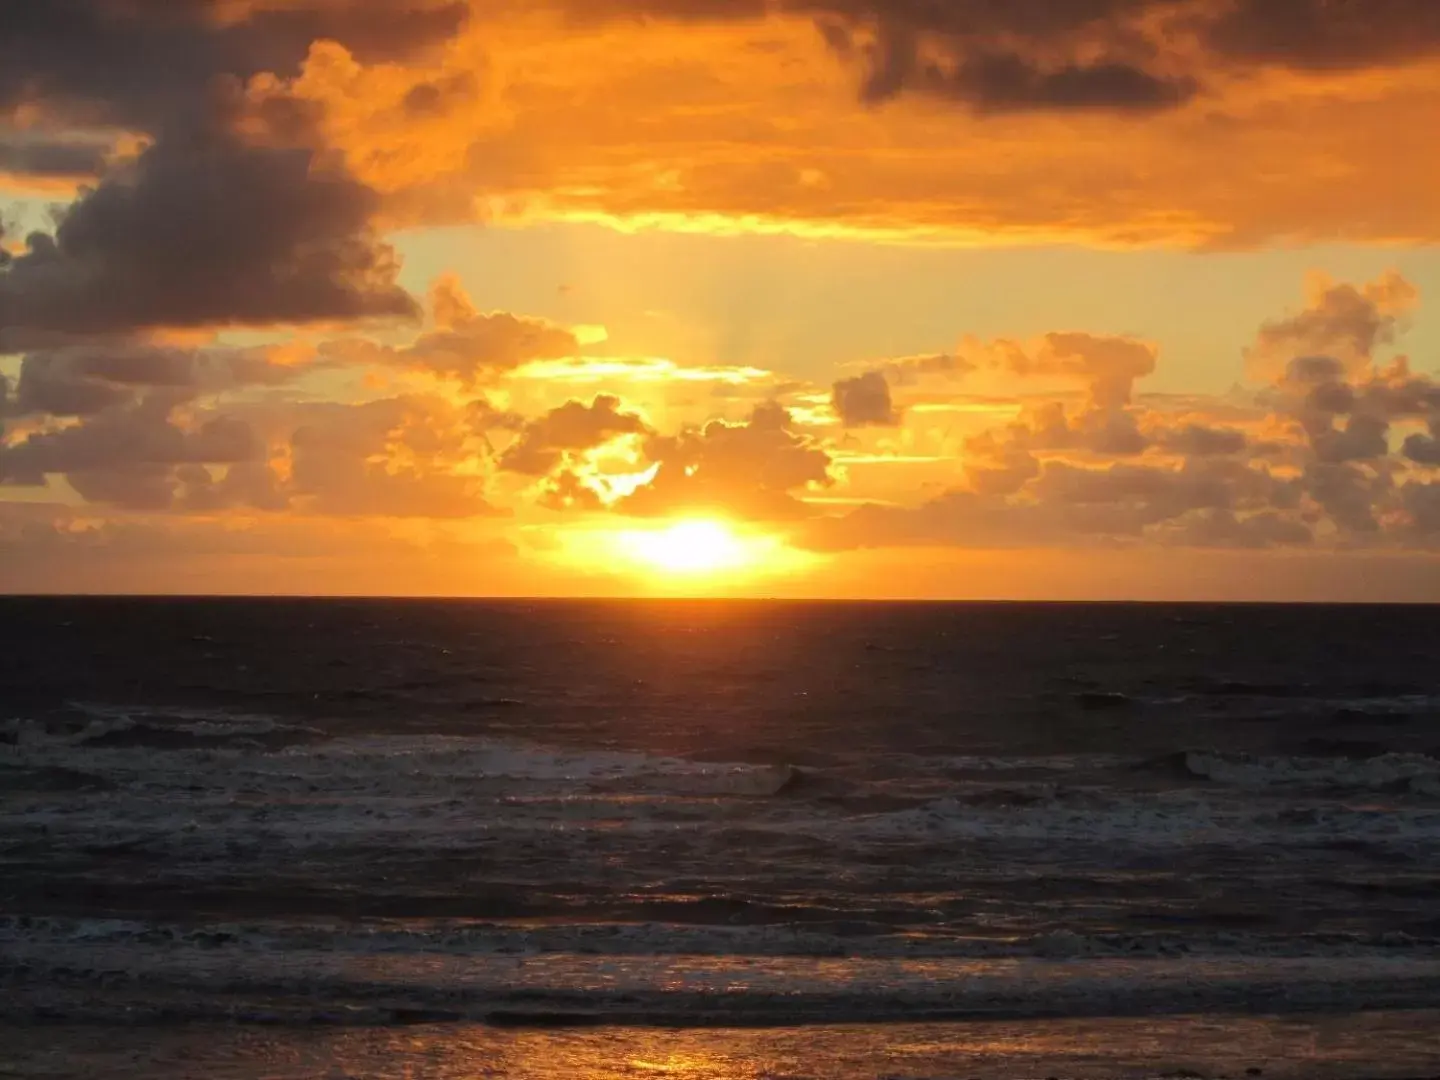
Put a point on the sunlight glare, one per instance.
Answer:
(690, 547)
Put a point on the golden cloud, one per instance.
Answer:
(753, 125)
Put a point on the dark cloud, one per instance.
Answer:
(572, 428)
(193, 488)
(1120, 55)
(996, 57)
(1157, 493)
(52, 389)
(140, 63)
(1349, 494)
(68, 159)
(1199, 440)
(1326, 33)
(1421, 502)
(85, 380)
(1363, 438)
(1347, 417)
(1422, 449)
(128, 454)
(1010, 82)
(864, 401)
(750, 469)
(206, 231)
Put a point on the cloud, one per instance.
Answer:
(1123, 55)
(1421, 501)
(1324, 34)
(1314, 461)
(1097, 125)
(408, 456)
(1061, 505)
(1222, 528)
(129, 453)
(1108, 366)
(1341, 322)
(1094, 117)
(571, 429)
(567, 490)
(207, 227)
(907, 370)
(1026, 54)
(1199, 440)
(1425, 449)
(465, 344)
(154, 429)
(750, 470)
(864, 401)
(45, 160)
(1318, 392)
(85, 380)
(207, 231)
(140, 62)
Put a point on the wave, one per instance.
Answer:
(433, 793)
(102, 727)
(1416, 774)
(105, 982)
(660, 940)
(287, 755)
(1168, 820)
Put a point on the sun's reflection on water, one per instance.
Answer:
(1080, 1049)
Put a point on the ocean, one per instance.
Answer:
(715, 839)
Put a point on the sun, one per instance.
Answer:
(691, 548)
(690, 556)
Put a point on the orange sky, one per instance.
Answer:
(1072, 299)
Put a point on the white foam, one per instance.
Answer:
(434, 792)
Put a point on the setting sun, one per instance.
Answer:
(691, 547)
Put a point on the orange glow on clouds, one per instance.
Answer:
(751, 126)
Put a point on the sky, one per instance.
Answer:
(1049, 299)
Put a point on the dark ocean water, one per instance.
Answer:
(717, 839)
